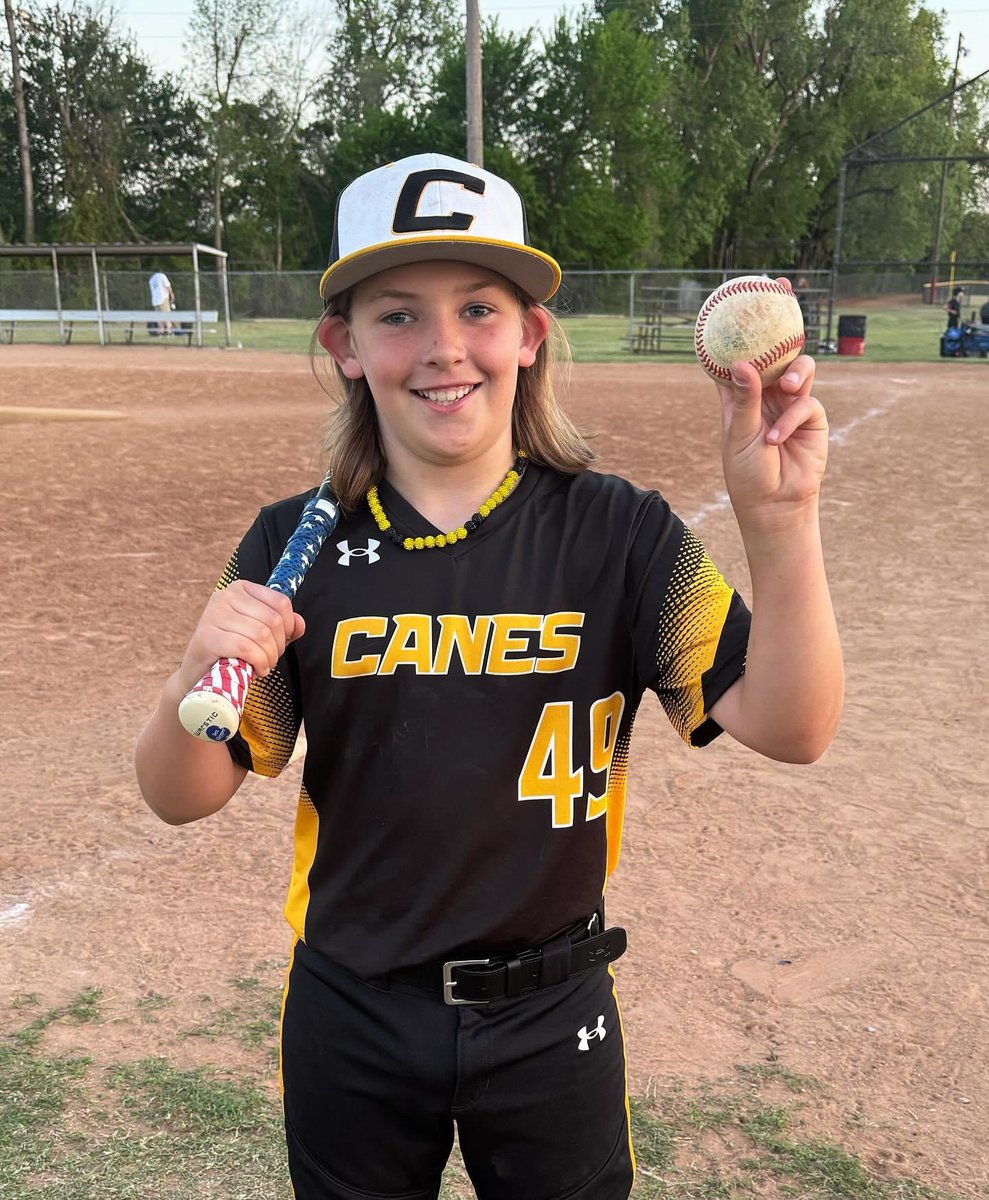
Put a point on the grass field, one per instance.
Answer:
(150, 1130)
(901, 330)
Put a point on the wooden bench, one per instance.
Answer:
(662, 332)
(183, 321)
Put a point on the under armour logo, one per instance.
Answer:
(368, 552)
(585, 1035)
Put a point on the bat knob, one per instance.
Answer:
(209, 716)
(211, 711)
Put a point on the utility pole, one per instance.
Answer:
(24, 146)
(939, 223)
(475, 113)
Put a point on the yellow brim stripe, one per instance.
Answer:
(537, 273)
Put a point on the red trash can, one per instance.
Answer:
(851, 335)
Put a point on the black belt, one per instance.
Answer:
(481, 980)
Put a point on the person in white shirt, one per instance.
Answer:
(162, 298)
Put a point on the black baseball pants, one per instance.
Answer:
(376, 1076)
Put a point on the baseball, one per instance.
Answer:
(754, 318)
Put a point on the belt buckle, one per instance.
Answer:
(449, 983)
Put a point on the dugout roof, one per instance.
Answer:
(110, 249)
(95, 251)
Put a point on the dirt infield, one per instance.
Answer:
(834, 919)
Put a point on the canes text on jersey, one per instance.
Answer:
(495, 644)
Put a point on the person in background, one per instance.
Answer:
(954, 307)
(162, 298)
(984, 313)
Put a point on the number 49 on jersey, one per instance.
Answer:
(549, 773)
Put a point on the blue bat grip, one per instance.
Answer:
(317, 522)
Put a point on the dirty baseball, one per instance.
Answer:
(754, 318)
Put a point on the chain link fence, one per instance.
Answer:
(659, 306)
(118, 289)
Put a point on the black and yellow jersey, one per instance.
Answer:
(468, 710)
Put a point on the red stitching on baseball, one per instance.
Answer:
(712, 368)
(746, 285)
(776, 353)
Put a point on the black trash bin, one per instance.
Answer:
(851, 335)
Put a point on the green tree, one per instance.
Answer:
(383, 55)
(740, 102)
(11, 208)
(966, 224)
(768, 97)
(268, 223)
(225, 42)
(600, 148)
(110, 141)
(882, 61)
(511, 78)
(971, 241)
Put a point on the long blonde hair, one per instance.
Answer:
(351, 445)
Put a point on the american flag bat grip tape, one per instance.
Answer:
(212, 710)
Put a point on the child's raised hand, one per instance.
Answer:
(245, 620)
(774, 441)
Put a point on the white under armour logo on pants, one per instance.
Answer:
(584, 1035)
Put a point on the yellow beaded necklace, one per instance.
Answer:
(498, 496)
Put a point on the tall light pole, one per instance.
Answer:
(939, 222)
(475, 117)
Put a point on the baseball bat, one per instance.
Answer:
(213, 708)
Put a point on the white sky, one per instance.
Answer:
(159, 27)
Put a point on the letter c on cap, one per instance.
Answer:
(407, 219)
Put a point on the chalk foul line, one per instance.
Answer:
(14, 915)
(837, 437)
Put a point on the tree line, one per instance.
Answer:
(703, 133)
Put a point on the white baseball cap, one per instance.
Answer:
(430, 206)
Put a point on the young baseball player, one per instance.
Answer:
(468, 653)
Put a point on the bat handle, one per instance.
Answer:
(212, 710)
